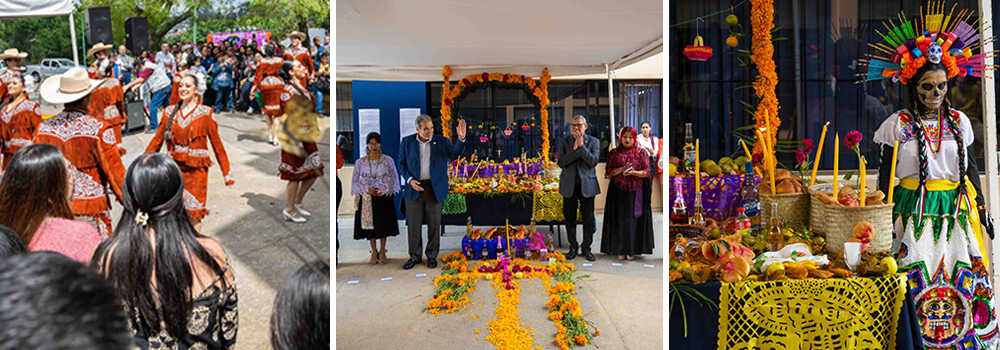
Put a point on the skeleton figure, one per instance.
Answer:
(932, 88)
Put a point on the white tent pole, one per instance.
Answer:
(611, 104)
(72, 34)
(990, 133)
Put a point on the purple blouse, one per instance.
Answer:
(378, 174)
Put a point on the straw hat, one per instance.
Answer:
(68, 87)
(98, 47)
(12, 53)
(300, 35)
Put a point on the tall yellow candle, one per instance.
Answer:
(819, 153)
(892, 170)
(697, 165)
(836, 163)
(750, 155)
(767, 158)
(863, 194)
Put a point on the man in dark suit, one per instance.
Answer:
(578, 155)
(423, 162)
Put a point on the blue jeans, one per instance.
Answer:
(224, 99)
(319, 99)
(126, 78)
(160, 99)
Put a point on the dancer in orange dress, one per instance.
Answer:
(19, 119)
(300, 172)
(12, 58)
(87, 143)
(270, 86)
(108, 100)
(184, 64)
(191, 130)
(298, 52)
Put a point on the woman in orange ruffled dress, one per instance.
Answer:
(270, 86)
(19, 119)
(300, 172)
(191, 128)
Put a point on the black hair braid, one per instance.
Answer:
(918, 127)
(962, 168)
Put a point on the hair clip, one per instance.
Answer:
(141, 218)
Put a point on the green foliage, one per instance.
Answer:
(51, 37)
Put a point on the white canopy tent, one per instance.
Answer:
(10, 9)
(574, 39)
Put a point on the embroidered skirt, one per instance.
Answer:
(294, 168)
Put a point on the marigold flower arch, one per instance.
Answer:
(540, 90)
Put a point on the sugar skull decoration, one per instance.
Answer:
(934, 53)
(943, 315)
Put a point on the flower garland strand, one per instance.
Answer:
(564, 309)
(539, 90)
(762, 21)
(454, 283)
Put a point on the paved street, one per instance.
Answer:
(246, 218)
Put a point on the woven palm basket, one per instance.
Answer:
(793, 208)
(840, 222)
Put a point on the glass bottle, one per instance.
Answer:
(697, 218)
(679, 215)
(689, 151)
(742, 222)
(751, 197)
(775, 239)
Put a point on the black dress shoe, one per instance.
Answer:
(432, 263)
(588, 255)
(571, 254)
(410, 263)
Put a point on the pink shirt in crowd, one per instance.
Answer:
(71, 238)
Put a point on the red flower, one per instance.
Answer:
(853, 139)
(757, 157)
(800, 156)
(465, 82)
(808, 144)
(447, 102)
(486, 76)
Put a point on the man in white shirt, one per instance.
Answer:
(166, 59)
(423, 161)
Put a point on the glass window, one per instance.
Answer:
(816, 68)
(345, 121)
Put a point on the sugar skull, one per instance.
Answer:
(932, 87)
(943, 316)
(934, 53)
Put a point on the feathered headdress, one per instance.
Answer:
(934, 38)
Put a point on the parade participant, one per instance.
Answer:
(299, 53)
(184, 65)
(12, 58)
(19, 119)
(99, 51)
(191, 128)
(270, 86)
(300, 172)
(938, 212)
(108, 100)
(87, 142)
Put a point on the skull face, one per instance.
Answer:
(934, 53)
(942, 318)
(932, 88)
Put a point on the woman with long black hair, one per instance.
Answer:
(301, 318)
(300, 172)
(176, 284)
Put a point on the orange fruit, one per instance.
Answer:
(732, 41)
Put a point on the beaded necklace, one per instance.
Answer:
(925, 131)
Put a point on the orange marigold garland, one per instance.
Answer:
(762, 20)
(453, 285)
(539, 90)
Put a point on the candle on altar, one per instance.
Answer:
(507, 230)
(892, 170)
(750, 155)
(836, 163)
(767, 158)
(697, 165)
(863, 194)
(819, 153)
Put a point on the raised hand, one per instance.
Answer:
(460, 129)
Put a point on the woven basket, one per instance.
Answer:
(840, 222)
(817, 212)
(793, 208)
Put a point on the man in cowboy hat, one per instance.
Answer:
(88, 144)
(12, 58)
(297, 52)
(99, 51)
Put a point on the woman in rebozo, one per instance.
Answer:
(628, 222)
(373, 185)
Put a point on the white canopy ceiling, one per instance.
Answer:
(412, 40)
(34, 8)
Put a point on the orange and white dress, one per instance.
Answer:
(5, 77)
(18, 125)
(300, 54)
(108, 102)
(269, 84)
(89, 144)
(192, 132)
(295, 168)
